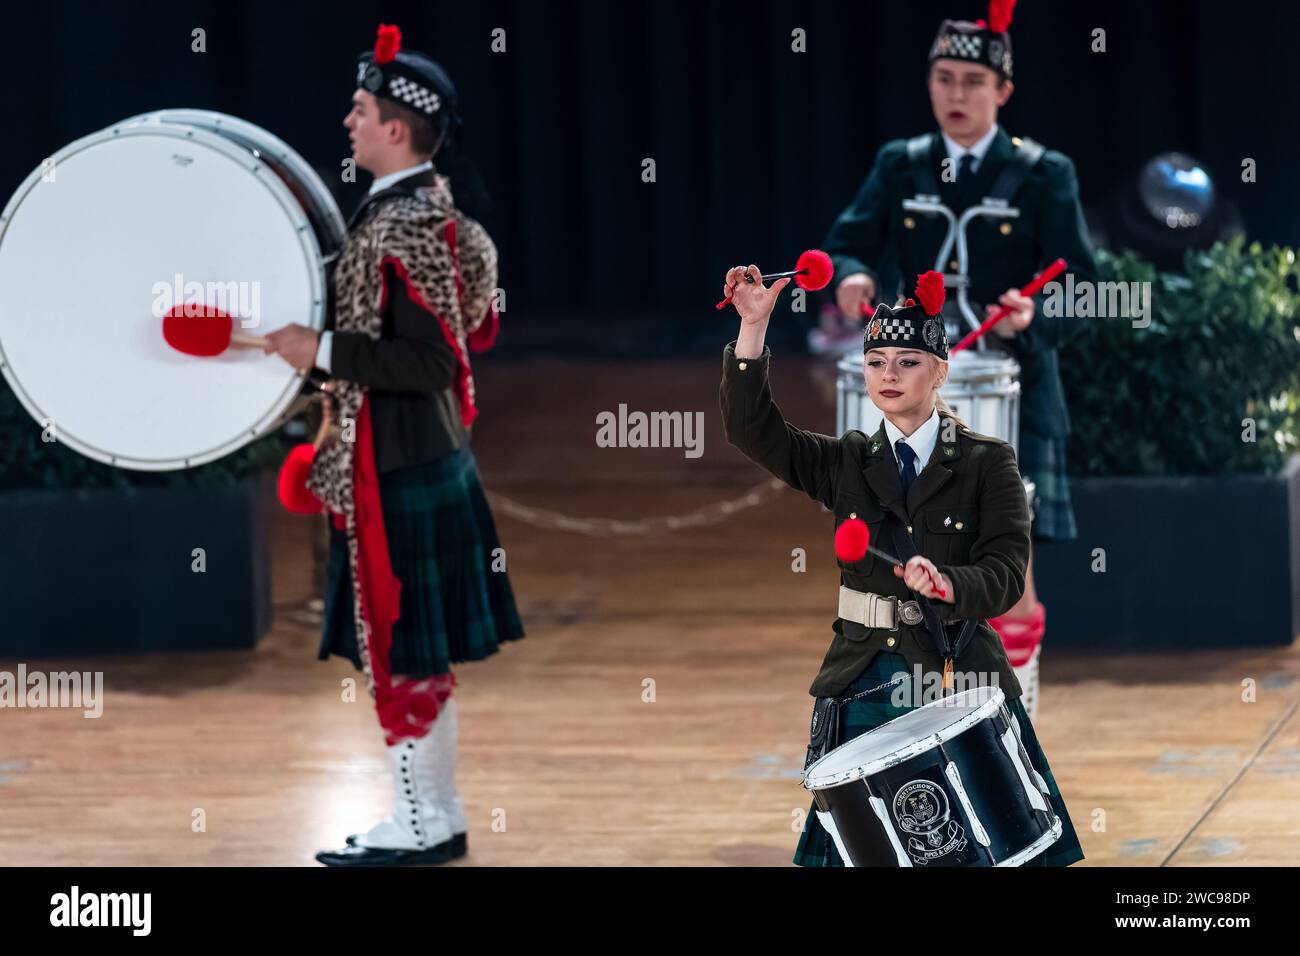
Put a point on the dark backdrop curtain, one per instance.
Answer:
(757, 148)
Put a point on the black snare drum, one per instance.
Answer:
(947, 784)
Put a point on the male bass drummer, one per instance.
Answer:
(921, 482)
(970, 158)
(415, 580)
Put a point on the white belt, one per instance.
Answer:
(877, 610)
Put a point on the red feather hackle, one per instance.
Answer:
(387, 43)
(1000, 14)
(929, 290)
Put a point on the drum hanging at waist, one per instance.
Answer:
(947, 784)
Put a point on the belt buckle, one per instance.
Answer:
(893, 602)
(909, 611)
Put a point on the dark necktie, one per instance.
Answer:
(908, 457)
(965, 167)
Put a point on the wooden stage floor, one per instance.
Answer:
(1159, 759)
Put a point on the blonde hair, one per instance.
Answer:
(942, 405)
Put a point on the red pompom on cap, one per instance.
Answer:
(388, 43)
(851, 540)
(294, 494)
(819, 269)
(929, 289)
(1000, 14)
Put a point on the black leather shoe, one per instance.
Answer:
(455, 848)
(352, 855)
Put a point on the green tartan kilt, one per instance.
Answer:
(816, 848)
(1042, 461)
(441, 537)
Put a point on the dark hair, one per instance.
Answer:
(430, 139)
(425, 137)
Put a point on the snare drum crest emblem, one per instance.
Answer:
(921, 809)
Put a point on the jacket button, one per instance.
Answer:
(742, 366)
(959, 525)
(953, 265)
(891, 642)
(909, 222)
(853, 514)
(1005, 228)
(909, 529)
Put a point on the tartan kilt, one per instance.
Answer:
(1042, 461)
(441, 535)
(816, 848)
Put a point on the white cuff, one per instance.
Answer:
(323, 350)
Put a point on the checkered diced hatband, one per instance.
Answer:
(891, 328)
(958, 46)
(975, 43)
(394, 81)
(414, 95)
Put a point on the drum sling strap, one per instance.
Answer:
(824, 732)
(951, 648)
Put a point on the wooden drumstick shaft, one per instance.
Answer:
(247, 341)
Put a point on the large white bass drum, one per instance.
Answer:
(160, 210)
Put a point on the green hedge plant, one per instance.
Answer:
(1222, 346)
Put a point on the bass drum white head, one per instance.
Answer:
(118, 227)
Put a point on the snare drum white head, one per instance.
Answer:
(90, 260)
(904, 737)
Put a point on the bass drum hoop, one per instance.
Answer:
(233, 138)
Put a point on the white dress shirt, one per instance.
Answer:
(921, 441)
(981, 146)
(325, 344)
(383, 182)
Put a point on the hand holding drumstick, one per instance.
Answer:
(754, 302)
(924, 578)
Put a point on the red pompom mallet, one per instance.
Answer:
(812, 271)
(853, 541)
(208, 333)
(294, 493)
(387, 43)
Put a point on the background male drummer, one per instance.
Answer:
(969, 80)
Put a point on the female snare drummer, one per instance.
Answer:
(951, 500)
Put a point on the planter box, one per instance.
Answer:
(89, 572)
(1190, 562)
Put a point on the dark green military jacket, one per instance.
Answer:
(1004, 253)
(966, 511)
